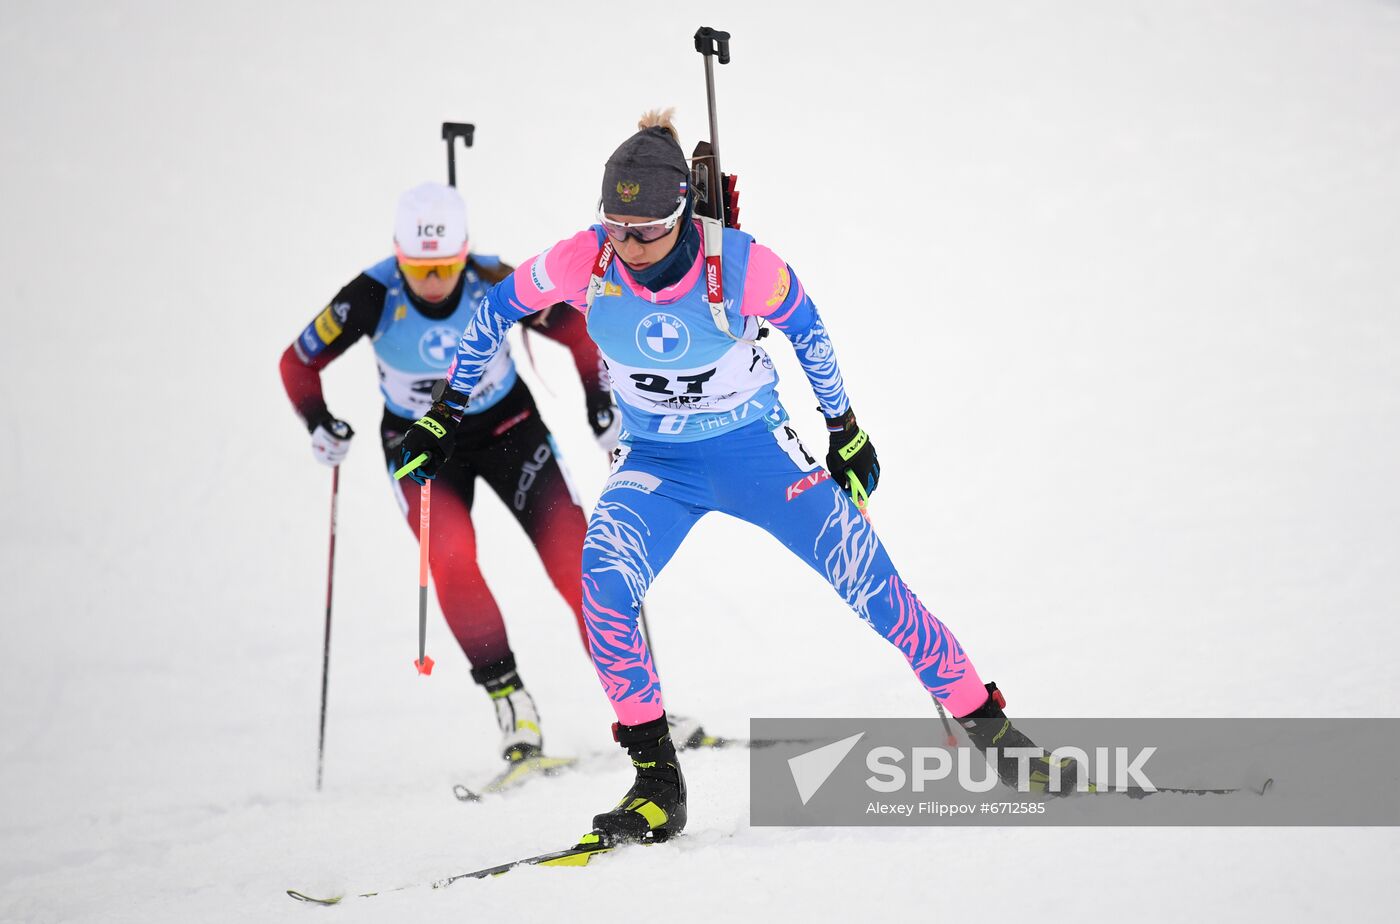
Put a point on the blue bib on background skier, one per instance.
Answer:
(413, 351)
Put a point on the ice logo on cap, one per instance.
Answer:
(438, 345)
(431, 221)
(663, 337)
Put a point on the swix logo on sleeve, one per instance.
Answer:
(807, 481)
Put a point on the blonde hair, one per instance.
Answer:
(660, 118)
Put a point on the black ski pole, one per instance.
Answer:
(951, 740)
(326, 646)
(451, 131)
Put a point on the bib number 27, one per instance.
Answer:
(660, 385)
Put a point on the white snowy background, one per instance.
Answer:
(1116, 289)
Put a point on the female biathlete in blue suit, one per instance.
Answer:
(674, 303)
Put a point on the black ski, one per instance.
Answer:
(532, 768)
(581, 854)
(1136, 792)
(715, 743)
(516, 774)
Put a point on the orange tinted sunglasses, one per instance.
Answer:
(421, 271)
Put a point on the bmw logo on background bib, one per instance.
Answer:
(438, 346)
(662, 337)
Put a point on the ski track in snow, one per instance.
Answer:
(1131, 357)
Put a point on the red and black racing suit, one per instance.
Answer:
(508, 446)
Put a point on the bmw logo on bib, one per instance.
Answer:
(438, 345)
(663, 337)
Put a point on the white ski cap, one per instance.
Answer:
(430, 225)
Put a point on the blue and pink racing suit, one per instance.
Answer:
(704, 431)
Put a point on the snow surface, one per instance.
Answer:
(1115, 288)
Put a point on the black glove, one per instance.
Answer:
(603, 418)
(431, 436)
(852, 460)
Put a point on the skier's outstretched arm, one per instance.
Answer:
(773, 292)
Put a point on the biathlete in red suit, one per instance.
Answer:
(412, 306)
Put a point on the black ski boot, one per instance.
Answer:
(988, 727)
(654, 808)
(519, 721)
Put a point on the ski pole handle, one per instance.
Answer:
(711, 42)
(450, 132)
(857, 494)
(410, 465)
